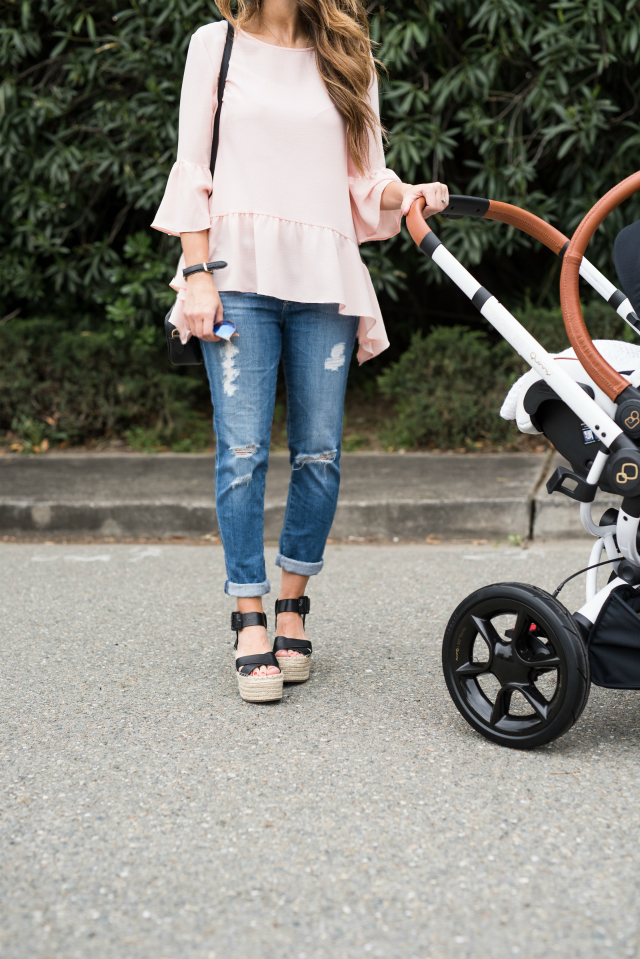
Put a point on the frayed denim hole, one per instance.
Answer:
(230, 374)
(241, 481)
(311, 459)
(243, 452)
(337, 358)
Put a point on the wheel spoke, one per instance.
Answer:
(535, 698)
(488, 632)
(501, 705)
(544, 662)
(471, 669)
(529, 648)
(542, 654)
(521, 629)
(538, 654)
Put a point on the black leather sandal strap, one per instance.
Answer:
(301, 605)
(246, 664)
(240, 620)
(301, 645)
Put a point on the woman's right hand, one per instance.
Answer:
(203, 308)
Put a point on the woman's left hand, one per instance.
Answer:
(436, 196)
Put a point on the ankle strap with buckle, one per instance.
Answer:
(301, 605)
(240, 620)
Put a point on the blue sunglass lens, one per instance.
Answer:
(226, 329)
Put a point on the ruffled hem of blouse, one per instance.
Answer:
(292, 261)
(372, 223)
(185, 204)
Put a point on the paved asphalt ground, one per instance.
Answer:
(149, 814)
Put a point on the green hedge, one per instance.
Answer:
(74, 386)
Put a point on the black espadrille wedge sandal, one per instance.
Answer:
(256, 689)
(295, 669)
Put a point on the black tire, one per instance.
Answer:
(544, 640)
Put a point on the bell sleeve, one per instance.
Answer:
(185, 205)
(366, 190)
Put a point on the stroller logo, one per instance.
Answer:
(541, 365)
(627, 477)
(632, 421)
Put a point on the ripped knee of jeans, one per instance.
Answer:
(243, 452)
(308, 459)
(241, 481)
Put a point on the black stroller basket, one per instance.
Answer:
(614, 641)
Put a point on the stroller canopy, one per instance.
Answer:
(626, 256)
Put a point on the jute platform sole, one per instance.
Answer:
(260, 689)
(295, 669)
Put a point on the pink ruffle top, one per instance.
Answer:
(288, 209)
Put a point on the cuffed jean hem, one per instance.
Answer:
(247, 589)
(295, 566)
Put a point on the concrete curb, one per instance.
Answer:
(410, 496)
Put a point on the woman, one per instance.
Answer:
(300, 181)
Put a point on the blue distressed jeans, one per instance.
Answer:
(315, 343)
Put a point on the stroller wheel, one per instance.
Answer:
(515, 665)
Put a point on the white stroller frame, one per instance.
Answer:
(598, 414)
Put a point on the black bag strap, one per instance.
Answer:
(222, 79)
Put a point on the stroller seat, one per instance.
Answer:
(537, 409)
(623, 357)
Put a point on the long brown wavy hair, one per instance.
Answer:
(339, 31)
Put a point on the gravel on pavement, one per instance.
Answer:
(148, 813)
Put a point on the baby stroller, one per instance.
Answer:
(517, 664)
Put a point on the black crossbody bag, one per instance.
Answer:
(190, 353)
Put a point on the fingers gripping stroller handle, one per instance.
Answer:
(416, 224)
(611, 382)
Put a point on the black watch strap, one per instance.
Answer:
(204, 268)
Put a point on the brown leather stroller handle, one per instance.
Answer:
(528, 223)
(489, 210)
(611, 382)
(416, 223)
